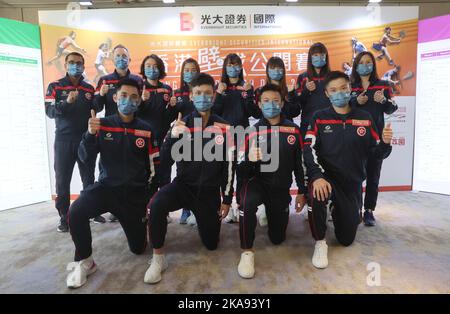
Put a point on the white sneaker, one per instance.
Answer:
(262, 218)
(169, 219)
(232, 216)
(191, 221)
(79, 271)
(158, 264)
(246, 267)
(320, 256)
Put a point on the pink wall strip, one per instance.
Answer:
(436, 28)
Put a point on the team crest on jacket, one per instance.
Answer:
(88, 96)
(219, 139)
(291, 139)
(361, 131)
(166, 97)
(140, 142)
(244, 94)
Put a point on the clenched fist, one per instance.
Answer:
(387, 134)
(104, 89)
(93, 123)
(72, 97)
(221, 88)
(310, 85)
(362, 98)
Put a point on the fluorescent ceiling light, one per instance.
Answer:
(85, 3)
(169, 1)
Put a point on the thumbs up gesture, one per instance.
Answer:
(255, 153)
(387, 134)
(72, 97)
(179, 127)
(145, 95)
(104, 89)
(291, 87)
(362, 98)
(247, 86)
(310, 85)
(221, 87)
(173, 101)
(379, 96)
(93, 123)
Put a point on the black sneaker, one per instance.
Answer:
(369, 219)
(99, 220)
(62, 227)
(112, 218)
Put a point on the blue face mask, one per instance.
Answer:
(74, 69)
(188, 76)
(340, 99)
(202, 102)
(121, 63)
(270, 109)
(127, 106)
(233, 71)
(275, 74)
(151, 73)
(364, 69)
(319, 61)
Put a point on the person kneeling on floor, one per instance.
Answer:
(200, 181)
(129, 157)
(282, 143)
(337, 145)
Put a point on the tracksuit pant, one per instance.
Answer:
(345, 202)
(276, 201)
(204, 202)
(66, 155)
(373, 170)
(127, 203)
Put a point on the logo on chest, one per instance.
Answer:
(328, 129)
(108, 137)
(88, 96)
(140, 142)
(361, 131)
(291, 139)
(219, 139)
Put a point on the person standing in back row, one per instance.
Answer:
(69, 101)
(374, 96)
(107, 86)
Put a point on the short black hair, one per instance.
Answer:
(202, 79)
(272, 88)
(129, 82)
(159, 64)
(120, 46)
(74, 53)
(334, 75)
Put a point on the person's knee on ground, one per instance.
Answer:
(137, 249)
(210, 245)
(277, 236)
(346, 238)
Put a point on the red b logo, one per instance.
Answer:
(186, 23)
